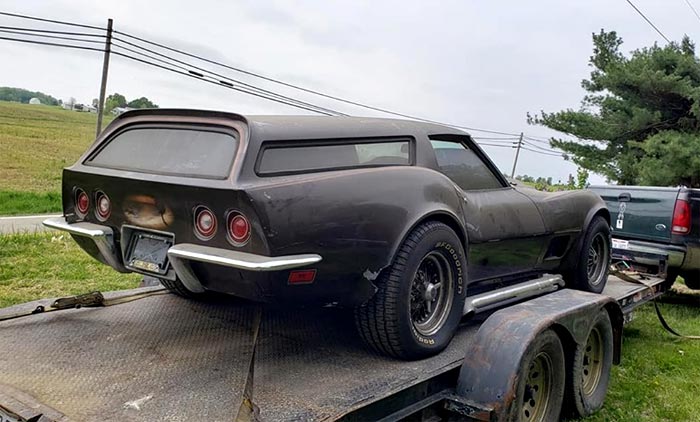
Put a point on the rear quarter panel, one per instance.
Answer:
(355, 219)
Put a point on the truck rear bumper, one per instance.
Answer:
(182, 255)
(676, 254)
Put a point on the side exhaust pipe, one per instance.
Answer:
(495, 299)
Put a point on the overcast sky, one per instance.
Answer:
(482, 64)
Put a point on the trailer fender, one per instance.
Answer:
(488, 377)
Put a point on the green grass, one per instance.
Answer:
(18, 203)
(659, 378)
(36, 143)
(35, 266)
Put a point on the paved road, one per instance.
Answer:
(24, 223)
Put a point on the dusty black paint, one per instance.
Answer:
(355, 219)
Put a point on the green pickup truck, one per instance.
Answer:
(657, 220)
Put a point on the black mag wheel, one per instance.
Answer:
(420, 296)
(590, 272)
(432, 293)
(598, 259)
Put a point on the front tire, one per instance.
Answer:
(593, 262)
(418, 304)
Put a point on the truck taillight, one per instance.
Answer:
(204, 223)
(82, 202)
(681, 217)
(238, 228)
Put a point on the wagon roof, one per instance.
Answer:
(288, 127)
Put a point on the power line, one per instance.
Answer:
(84, 34)
(509, 146)
(56, 37)
(693, 9)
(543, 153)
(542, 148)
(17, 15)
(52, 44)
(118, 42)
(219, 83)
(495, 139)
(307, 90)
(648, 21)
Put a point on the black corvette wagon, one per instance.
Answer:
(400, 220)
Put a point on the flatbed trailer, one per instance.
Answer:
(162, 357)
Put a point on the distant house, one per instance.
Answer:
(90, 108)
(119, 110)
(35, 100)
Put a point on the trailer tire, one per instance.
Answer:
(589, 374)
(176, 286)
(429, 268)
(542, 369)
(591, 271)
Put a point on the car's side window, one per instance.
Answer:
(463, 166)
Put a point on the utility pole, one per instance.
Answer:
(517, 153)
(103, 86)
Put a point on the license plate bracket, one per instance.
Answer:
(148, 252)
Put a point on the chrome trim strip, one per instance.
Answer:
(236, 259)
(501, 297)
(101, 235)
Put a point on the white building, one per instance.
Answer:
(35, 100)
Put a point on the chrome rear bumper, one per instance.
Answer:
(181, 255)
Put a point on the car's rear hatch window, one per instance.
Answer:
(310, 156)
(169, 150)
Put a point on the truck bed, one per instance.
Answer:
(162, 357)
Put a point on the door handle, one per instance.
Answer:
(624, 197)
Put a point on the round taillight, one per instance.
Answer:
(204, 223)
(103, 206)
(238, 228)
(82, 201)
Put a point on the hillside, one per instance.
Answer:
(36, 143)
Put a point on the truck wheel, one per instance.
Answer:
(589, 374)
(591, 272)
(418, 304)
(692, 279)
(540, 381)
(176, 286)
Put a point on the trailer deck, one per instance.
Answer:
(162, 357)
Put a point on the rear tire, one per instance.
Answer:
(176, 286)
(692, 279)
(589, 375)
(593, 262)
(540, 381)
(418, 304)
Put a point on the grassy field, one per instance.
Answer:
(35, 266)
(36, 143)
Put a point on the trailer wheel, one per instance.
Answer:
(540, 381)
(589, 374)
(591, 271)
(418, 304)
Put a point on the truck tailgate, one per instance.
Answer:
(636, 212)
